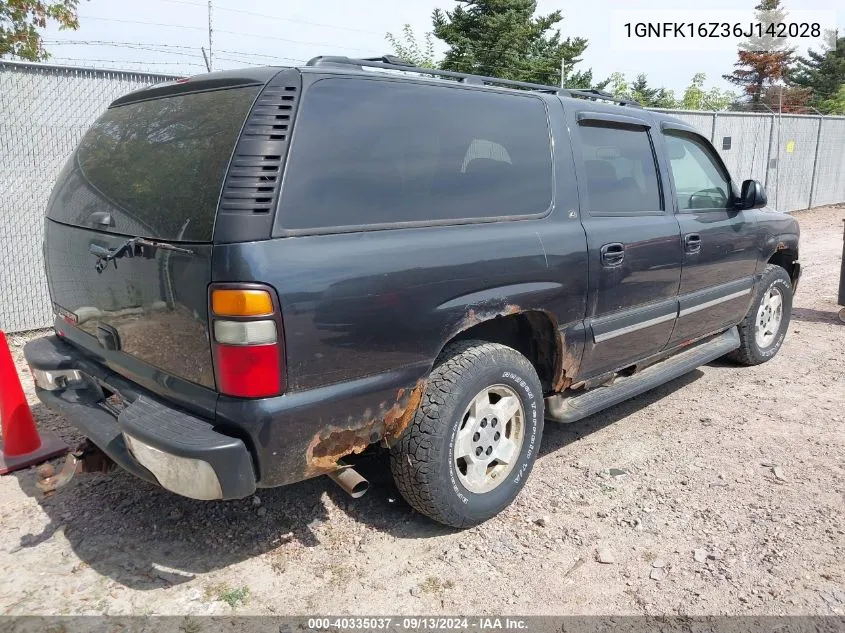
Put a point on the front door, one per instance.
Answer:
(720, 247)
(633, 240)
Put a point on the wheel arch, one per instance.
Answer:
(533, 333)
(782, 250)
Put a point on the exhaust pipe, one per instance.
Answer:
(348, 478)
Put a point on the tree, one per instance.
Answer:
(762, 60)
(21, 20)
(665, 98)
(697, 98)
(789, 99)
(409, 49)
(822, 73)
(835, 104)
(651, 97)
(503, 38)
(640, 91)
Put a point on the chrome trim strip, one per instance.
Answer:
(598, 338)
(713, 302)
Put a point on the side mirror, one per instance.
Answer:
(753, 195)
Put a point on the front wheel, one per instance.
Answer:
(475, 436)
(762, 331)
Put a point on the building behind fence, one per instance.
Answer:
(45, 110)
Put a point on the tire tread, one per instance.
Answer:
(746, 353)
(410, 457)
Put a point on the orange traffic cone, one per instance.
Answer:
(21, 445)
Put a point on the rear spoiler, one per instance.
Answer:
(201, 83)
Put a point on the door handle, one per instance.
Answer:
(101, 219)
(692, 243)
(613, 254)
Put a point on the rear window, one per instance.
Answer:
(156, 167)
(371, 152)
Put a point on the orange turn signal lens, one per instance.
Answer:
(235, 302)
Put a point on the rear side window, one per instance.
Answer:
(620, 169)
(156, 167)
(383, 152)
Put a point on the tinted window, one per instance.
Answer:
(157, 166)
(374, 152)
(699, 182)
(620, 169)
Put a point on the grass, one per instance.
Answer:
(433, 584)
(233, 596)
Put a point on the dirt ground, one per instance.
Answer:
(731, 502)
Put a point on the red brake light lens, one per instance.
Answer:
(249, 371)
(249, 356)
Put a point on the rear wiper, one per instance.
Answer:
(134, 247)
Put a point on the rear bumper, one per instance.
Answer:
(180, 451)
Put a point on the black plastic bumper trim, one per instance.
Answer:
(151, 421)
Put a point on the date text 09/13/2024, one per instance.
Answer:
(417, 623)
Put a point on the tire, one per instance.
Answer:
(753, 351)
(424, 464)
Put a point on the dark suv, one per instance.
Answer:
(258, 273)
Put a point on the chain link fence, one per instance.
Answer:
(45, 110)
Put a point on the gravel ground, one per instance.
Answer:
(718, 493)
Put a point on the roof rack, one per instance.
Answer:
(391, 62)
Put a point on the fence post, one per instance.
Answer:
(713, 131)
(769, 153)
(815, 163)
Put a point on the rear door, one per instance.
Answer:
(720, 241)
(633, 240)
(128, 237)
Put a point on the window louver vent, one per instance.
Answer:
(252, 183)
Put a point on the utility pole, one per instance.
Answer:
(562, 73)
(210, 61)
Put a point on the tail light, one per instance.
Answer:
(247, 341)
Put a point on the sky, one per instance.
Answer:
(167, 36)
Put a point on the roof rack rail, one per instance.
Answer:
(391, 62)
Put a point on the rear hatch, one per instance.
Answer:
(129, 231)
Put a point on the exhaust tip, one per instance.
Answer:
(360, 489)
(350, 481)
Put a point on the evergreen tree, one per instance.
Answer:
(762, 60)
(503, 38)
(822, 73)
(641, 92)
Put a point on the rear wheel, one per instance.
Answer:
(762, 331)
(475, 436)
